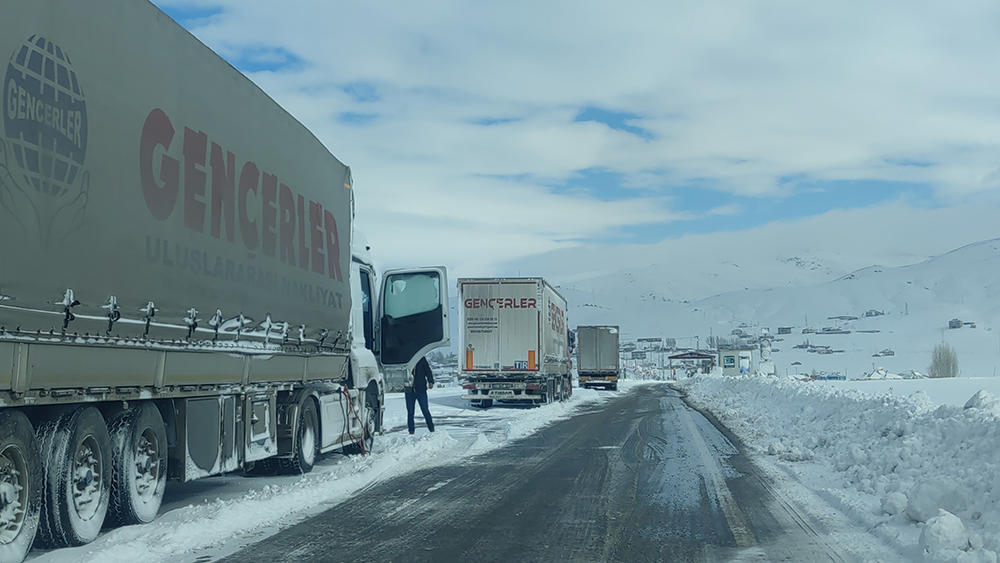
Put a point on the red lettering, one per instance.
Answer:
(332, 246)
(316, 237)
(223, 192)
(157, 131)
(269, 217)
(195, 149)
(303, 248)
(248, 183)
(286, 203)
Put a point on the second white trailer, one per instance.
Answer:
(515, 344)
(598, 364)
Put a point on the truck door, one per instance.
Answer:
(413, 317)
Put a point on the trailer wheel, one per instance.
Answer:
(306, 441)
(20, 486)
(138, 465)
(76, 491)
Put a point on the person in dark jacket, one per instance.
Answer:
(423, 379)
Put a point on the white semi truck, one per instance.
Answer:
(182, 292)
(597, 356)
(515, 344)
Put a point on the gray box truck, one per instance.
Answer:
(515, 343)
(182, 292)
(597, 356)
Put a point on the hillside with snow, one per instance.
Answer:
(917, 300)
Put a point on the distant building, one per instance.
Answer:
(955, 323)
(874, 313)
(736, 361)
(691, 362)
(784, 330)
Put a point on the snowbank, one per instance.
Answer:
(923, 476)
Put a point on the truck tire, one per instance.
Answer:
(483, 403)
(367, 441)
(549, 396)
(306, 441)
(20, 486)
(76, 450)
(614, 387)
(138, 465)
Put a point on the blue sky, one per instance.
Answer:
(697, 118)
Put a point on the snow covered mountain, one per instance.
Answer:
(918, 300)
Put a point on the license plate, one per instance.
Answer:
(501, 393)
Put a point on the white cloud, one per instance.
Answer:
(738, 96)
(728, 209)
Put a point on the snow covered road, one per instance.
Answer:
(643, 477)
(210, 518)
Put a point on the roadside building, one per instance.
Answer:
(736, 361)
(693, 360)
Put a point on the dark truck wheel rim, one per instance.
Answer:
(147, 464)
(88, 465)
(13, 492)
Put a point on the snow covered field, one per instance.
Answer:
(922, 474)
(952, 391)
(213, 517)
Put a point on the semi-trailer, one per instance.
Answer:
(597, 356)
(514, 341)
(182, 292)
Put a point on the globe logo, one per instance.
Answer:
(45, 117)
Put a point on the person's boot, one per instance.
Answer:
(411, 431)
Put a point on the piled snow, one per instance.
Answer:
(954, 391)
(924, 476)
(237, 511)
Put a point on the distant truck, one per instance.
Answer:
(515, 342)
(597, 356)
(182, 292)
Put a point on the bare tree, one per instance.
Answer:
(944, 361)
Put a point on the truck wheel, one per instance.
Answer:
(76, 449)
(306, 441)
(20, 486)
(614, 387)
(367, 432)
(138, 465)
(483, 403)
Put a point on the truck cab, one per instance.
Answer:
(393, 328)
